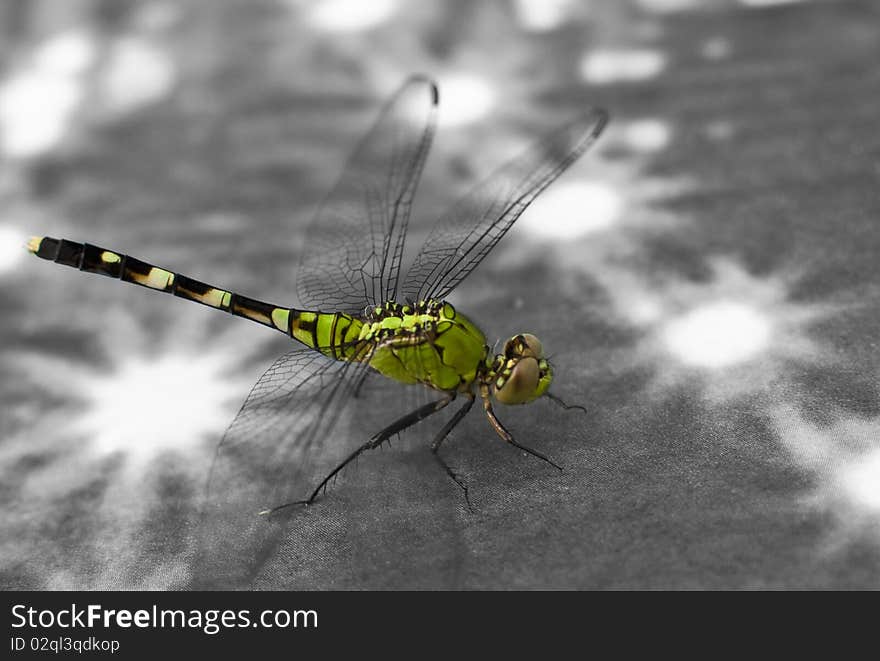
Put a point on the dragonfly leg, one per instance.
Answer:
(506, 435)
(396, 427)
(561, 403)
(442, 435)
(360, 384)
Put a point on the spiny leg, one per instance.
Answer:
(443, 434)
(506, 435)
(561, 403)
(394, 428)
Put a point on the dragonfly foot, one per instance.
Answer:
(467, 500)
(464, 490)
(274, 510)
(561, 403)
(536, 454)
(455, 478)
(507, 436)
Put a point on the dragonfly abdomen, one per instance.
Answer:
(335, 334)
(94, 259)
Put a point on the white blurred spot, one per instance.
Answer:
(716, 48)
(647, 134)
(861, 480)
(35, 111)
(150, 405)
(718, 335)
(664, 6)
(542, 15)
(571, 210)
(644, 310)
(138, 73)
(12, 250)
(67, 54)
(464, 98)
(351, 15)
(719, 130)
(767, 3)
(612, 66)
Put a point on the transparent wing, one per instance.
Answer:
(278, 423)
(355, 243)
(467, 233)
(265, 459)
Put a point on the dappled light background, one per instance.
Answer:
(706, 281)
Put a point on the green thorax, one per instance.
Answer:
(429, 342)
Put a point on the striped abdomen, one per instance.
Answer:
(334, 334)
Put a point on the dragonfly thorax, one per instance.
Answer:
(421, 312)
(428, 342)
(520, 374)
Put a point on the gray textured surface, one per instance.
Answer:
(759, 472)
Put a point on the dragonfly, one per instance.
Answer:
(362, 314)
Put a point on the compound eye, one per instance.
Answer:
(522, 384)
(535, 349)
(524, 344)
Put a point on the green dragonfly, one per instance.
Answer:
(359, 316)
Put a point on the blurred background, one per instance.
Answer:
(706, 280)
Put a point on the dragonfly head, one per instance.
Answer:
(520, 374)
